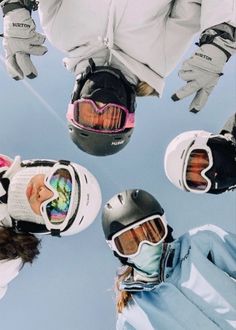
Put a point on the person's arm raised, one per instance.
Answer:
(20, 39)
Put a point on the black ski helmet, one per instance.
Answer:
(104, 84)
(126, 208)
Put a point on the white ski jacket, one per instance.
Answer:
(142, 38)
(197, 288)
(9, 269)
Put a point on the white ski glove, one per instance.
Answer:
(202, 71)
(20, 41)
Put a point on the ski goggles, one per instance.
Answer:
(109, 118)
(198, 161)
(57, 211)
(128, 241)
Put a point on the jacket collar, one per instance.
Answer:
(170, 257)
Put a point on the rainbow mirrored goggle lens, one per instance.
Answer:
(60, 182)
(128, 242)
(107, 119)
(199, 162)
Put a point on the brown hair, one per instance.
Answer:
(143, 89)
(122, 297)
(14, 245)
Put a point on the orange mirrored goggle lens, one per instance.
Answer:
(198, 162)
(111, 118)
(153, 231)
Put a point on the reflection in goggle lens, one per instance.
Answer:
(57, 209)
(198, 161)
(111, 118)
(152, 231)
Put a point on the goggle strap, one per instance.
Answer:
(28, 227)
(64, 162)
(36, 163)
(56, 232)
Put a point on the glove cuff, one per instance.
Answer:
(8, 6)
(220, 39)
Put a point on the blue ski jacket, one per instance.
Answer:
(196, 288)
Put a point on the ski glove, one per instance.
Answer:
(20, 41)
(202, 71)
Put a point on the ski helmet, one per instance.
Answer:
(107, 85)
(127, 208)
(178, 153)
(84, 203)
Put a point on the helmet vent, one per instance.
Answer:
(121, 199)
(135, 193)
(118, 138)
(81, 220)
(84, 134)
(109, 206)
(86, 179)
(182, 154)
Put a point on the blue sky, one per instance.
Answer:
(70, 286)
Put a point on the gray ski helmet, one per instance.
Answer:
(104, 84)
(126, 208)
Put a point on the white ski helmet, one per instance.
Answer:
(84, 197)
(89, 204)
(177, 155)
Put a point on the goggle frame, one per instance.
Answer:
(112, 243)
(59, 226)
(128, 123)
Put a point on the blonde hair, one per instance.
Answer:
(143, 89)
(122, 297)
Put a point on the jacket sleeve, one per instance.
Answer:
(47, 12)
(214, 12)
(218, 245)
(230, 126)
(122, 323)
(189, 17)
(9, 269)
(50, 6)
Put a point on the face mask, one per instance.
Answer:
(148, 259)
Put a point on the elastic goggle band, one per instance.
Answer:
(128, 242)
(110, 118)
